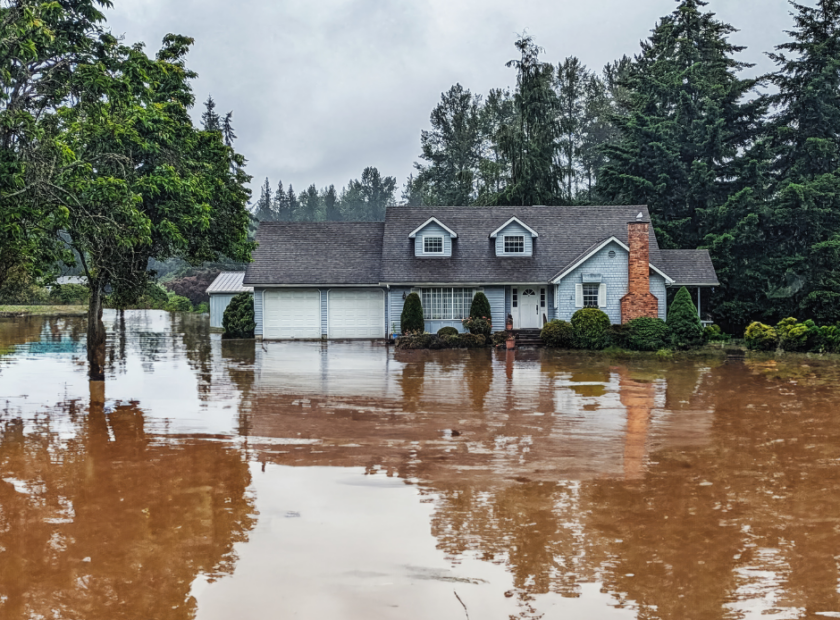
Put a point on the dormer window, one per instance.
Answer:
(515, 244)
(433, 245)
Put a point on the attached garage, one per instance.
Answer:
(292, 314)
(356, 313)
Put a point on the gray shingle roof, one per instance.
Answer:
(565, 234)
(229, 282)
(317, 253)
(689, 267)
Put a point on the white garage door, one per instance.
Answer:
(292, 313)
(357, 313)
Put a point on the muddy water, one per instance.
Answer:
(220, 480)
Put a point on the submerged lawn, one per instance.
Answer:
(12, 311)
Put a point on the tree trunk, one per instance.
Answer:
(96, 334)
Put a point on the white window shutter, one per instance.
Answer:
(602, 296)
(578, 295)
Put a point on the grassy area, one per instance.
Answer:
(12, 311)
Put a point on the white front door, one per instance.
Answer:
(357, 313)
(526, 308)
(292, 313)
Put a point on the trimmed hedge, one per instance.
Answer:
(591, 327)
(684, 322)
(647, 334)
(447, 341)
(480, 308)
(558, 334)
(238, 320)
(761, 337)
(411, 320)
(447, 331)
(619, 336)
(176, 303)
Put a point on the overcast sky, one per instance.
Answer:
(321, 89)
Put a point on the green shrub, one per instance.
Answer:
(647, 334)
(176, 303)
(714, 333)
(558, 334)
(70, 294)
(451, 341)
(684, 322)
(238, 320)
(761, 337)
(203, 308)
(419, 341)
(473, 341)
(480, 308)
(619, 336)
(830, 337)
(411, 320)
(665, 354)
(498, 338)
(478, 325)
(798, 337)
(447, 331)
(591, 327)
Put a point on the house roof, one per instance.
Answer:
(566, 234)
(496, 232)
(230, 283)
(318, 253)
(689, 267)
(433, 220)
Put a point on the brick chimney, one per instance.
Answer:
(639, 301)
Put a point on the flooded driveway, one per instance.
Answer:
(220, 480)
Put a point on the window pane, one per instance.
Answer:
(590, 295)
(426, 300)
(433, 245)
(514, 245)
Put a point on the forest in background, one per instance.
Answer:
(746, 167)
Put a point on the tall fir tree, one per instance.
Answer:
(264, 210)
(210, 119)
(227, 129)
(309, 209)
(802, 222)
(530, 142)
(332, 207)
(689, 125)
(573, 80)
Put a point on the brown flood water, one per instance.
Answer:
(220, 480)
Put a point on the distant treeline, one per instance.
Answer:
(722, 164)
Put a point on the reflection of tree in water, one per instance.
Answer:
(411, 381)
(753, 515)
(114, 523)
(239, 359)
(478, 374)
(193, 333)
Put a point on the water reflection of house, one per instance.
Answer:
(433, 415)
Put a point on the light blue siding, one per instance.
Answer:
(395, 306)
(259, 295)
(496, 297)
(660, 291)
(613, 272)
(514, 229)
(324, 309)
(218, 305)
(552, 306)
(433, 230)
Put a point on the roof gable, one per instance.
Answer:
(433, 220)
(495, 233)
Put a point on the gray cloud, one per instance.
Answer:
(322, 88)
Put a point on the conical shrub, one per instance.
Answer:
(684, 322)
(239, 321)
(480, 308)
(411, 320)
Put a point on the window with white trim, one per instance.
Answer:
(590, 295)
(432, 245)
(515, 244)
(446, 304)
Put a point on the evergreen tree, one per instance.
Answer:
(282, 206)
(411, 319)
(683, 321)
(480, 307)
(530, 142)
(227, 129)
(802, 223)
(291, 205)
(365, 200)
(573, 81)
(688, 129)
(210, 120)
(332, 208)
(264, 210)
(452, 148)
(497, 112)
(309, 209)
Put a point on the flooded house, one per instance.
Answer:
(349, 280)
(226, 286)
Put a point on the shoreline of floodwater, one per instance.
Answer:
(12, 311)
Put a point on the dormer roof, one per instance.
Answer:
(433, 220)
(496, 232)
